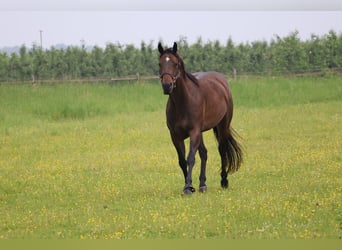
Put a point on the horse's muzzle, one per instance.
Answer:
(167, 88)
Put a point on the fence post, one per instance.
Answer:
(234, 73)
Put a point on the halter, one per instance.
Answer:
(174, 78)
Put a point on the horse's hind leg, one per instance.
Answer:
(224, 172)
(221, 134)
(230, 150)
(203, 155)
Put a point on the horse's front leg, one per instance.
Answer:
(180, 148)
(195, 140)
(203, 155)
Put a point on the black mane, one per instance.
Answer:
(192, 78)
(182, 67)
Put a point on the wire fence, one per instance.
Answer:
(138, 78)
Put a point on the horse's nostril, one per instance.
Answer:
(167, 87)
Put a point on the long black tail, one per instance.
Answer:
(233, 150)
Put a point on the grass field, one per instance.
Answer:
(96, 161)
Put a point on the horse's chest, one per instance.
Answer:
(181, 119)
(181, 124)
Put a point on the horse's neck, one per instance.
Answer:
(184, 92)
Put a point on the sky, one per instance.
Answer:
(100, 22)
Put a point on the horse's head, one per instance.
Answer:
(169, 67)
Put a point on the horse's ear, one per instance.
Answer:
(160, 48)
(174, 48)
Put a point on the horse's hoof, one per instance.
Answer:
(203, 189)
(224, 184)
(188, 190)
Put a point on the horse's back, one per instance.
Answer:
(209, 74)
(218, 100)
(213, 81)
(211, 77)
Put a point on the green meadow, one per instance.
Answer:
(88, 161)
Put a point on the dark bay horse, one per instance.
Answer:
(198, 102)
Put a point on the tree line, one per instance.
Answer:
(282, 55)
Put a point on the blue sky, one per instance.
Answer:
(130, 22)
